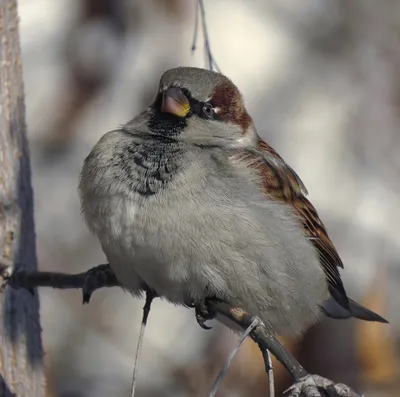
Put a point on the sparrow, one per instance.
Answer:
(189, 202)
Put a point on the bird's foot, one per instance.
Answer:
(98, 275)
(317, 386)
(204, 312)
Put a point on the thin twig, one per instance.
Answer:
(270, 371)
(256, 321)
(146, 311)
(260, 335)
(196, 28)
(205, 35)
(212, 64)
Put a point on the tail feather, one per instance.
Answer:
(334, 310)
(363, 313)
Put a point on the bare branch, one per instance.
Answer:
(306, 385)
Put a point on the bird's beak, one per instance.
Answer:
(175, 102)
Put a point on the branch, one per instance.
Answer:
(21, 353)
(212, 64)
(305, 385)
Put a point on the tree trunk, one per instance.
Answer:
(21, 354)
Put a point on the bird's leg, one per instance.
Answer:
(204, 311)
(98, 275)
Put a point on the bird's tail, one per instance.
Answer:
(334, 310)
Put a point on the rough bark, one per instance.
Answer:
(21, 355)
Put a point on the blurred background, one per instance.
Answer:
(321, 79)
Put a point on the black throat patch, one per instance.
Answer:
(165, 124)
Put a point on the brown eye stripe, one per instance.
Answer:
(228, 99)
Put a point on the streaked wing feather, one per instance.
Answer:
(282, 183)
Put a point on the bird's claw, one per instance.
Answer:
(317, 386)
(200, 321)
(203, 314)
(99, 275)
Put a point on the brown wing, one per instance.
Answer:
(282, 183)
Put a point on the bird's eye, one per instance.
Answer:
(208, 110)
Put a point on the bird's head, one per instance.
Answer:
(200, 107)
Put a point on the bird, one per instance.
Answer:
(190, 203)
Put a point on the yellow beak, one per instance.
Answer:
(175, 102)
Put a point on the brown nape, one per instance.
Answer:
(228, 99)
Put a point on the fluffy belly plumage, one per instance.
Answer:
(168, 249)
(141, 254)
